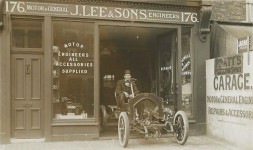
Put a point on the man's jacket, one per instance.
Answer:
(122, 87)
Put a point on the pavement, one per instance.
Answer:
(168, 143)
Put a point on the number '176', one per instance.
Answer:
(189, 17)
(12, 6)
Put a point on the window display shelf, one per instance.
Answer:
(56, 84)
(71, 116)
(66, 122)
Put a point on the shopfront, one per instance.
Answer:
(60, 61)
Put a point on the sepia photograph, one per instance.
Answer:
(126, 74)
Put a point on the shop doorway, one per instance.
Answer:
(26, 96)
(150, 54)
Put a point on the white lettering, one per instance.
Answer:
(143, 14)
(94, 12)
(134, 14)
(74, 71)
(118, 13)
(126, 13)
(76, 12)
(84, 11)
(102, 12)
(73, 44)
(243, 43)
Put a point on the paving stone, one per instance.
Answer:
(194, 142)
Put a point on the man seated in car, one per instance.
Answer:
(123, 89)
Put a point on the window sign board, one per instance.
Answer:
(243, 44)
(101, 12)
(229, 98)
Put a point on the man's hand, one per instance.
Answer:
(126, 94)
(131, 96)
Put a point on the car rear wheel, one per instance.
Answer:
(181, 125)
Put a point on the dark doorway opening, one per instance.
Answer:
(138, 49)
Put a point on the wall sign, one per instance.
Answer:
(100, 12)
(229, 98)
(186, 65)
(243, 44)
(228, 65)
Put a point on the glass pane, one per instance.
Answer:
(73, 73)
(27, 34)
(166, 67)
(33, 41)
(186, 71)
(19, 39)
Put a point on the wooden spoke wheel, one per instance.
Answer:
(123, 129)
(181, 125)
(102, 117)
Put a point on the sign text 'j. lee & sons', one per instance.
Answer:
(100, 12)
(229, 98)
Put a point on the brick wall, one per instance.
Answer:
(228, 10)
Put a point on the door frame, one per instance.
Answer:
(45, 51)
(144, 25)
(172, 36)
(12, 109)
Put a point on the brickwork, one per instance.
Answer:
(227, 10)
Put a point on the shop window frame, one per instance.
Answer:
(88, 121)
(26, 50)
(193, 103)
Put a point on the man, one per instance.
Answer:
(123, 89)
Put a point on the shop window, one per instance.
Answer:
(186, 71)
(26, 34)
(72, 70)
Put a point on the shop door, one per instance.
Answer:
(167, 87)
(27, 96)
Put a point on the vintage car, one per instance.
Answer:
(145, 114)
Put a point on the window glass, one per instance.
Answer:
(73, 73)
(186, 71)
(33, 41)
(27, 34)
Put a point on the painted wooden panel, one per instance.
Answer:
(35, 118)
(35, 78)
(19, 73)
(20, 122)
